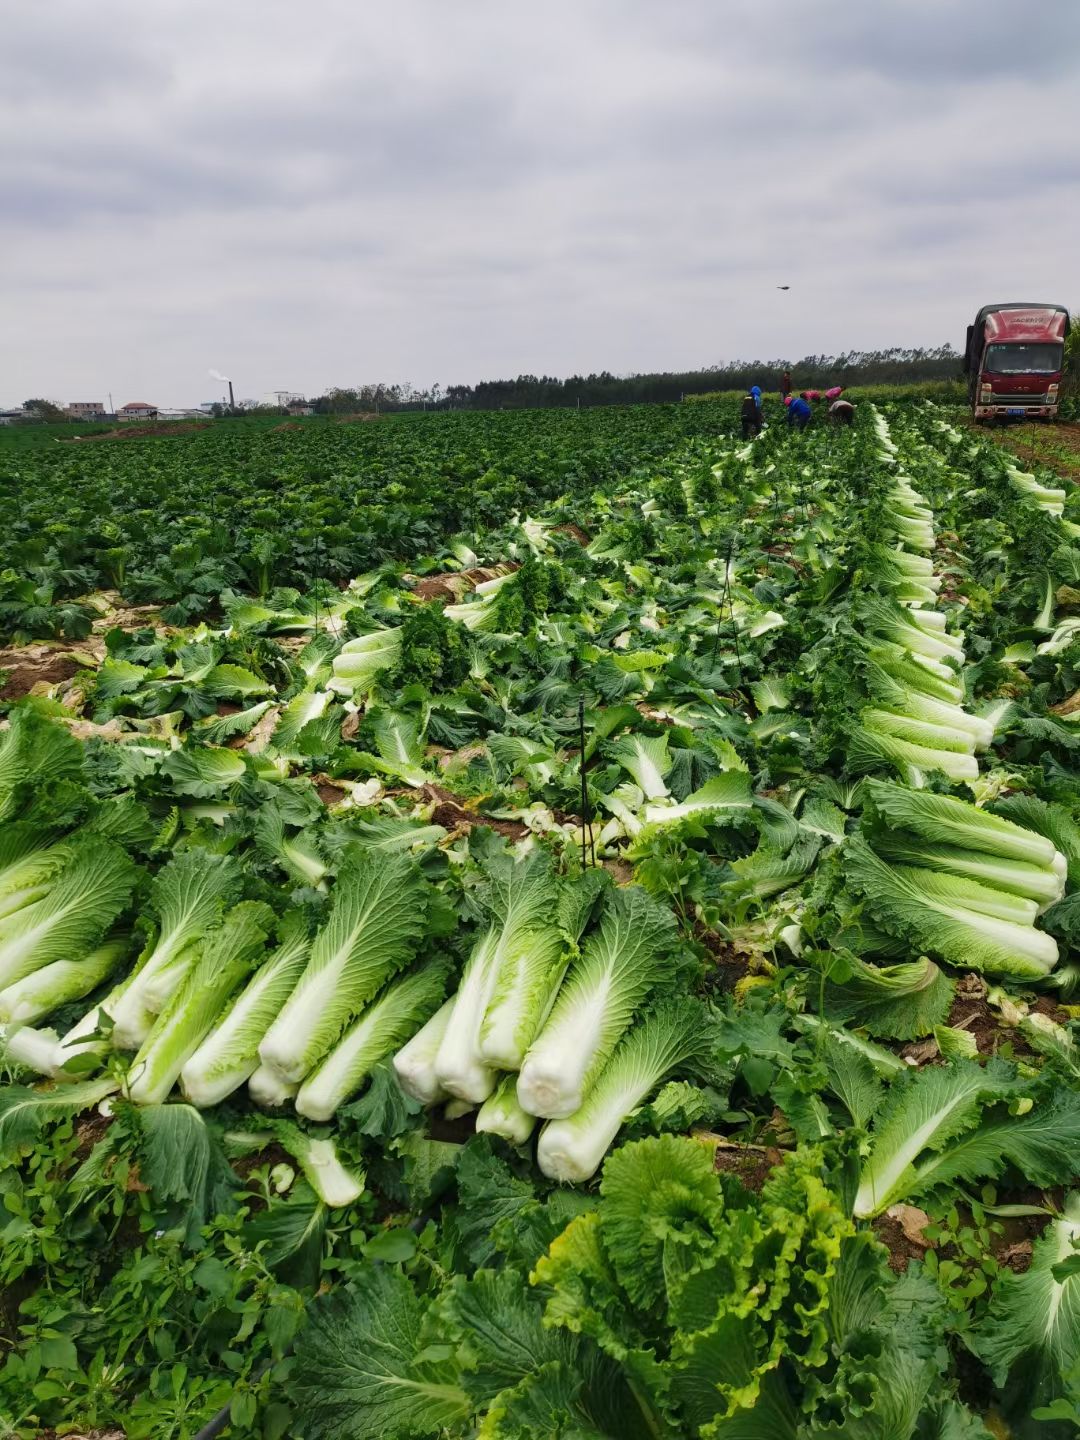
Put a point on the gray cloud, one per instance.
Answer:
(306, 197)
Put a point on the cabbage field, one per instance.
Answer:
(544, 924)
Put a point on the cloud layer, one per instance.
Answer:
(331, 193)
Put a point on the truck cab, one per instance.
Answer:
(1013, 360)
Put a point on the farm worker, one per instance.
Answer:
(798, 412)
(751, 416)
(785, 384)
(834, 392)
(755, 391)
(811, 394)
(842, 412)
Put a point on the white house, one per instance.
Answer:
(137, 410)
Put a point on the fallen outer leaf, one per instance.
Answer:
(913, 1222)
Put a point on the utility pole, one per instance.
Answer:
(112, 407)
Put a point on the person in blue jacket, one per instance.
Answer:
(798, 412)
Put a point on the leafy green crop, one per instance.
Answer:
(523, 908)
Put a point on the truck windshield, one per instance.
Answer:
(1023, 359)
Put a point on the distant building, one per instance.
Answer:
(87, 410)
(297, 410)
(10, 417)
(137, 410)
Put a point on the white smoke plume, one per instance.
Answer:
(217, 375)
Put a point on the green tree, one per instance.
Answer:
(1072, 357)
(46, 410)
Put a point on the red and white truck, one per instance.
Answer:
(1013, 360)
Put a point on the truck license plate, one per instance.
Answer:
(1016, 410)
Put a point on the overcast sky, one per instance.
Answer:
(336, 192)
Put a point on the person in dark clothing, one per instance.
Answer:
(750, 416)
(798, 412)
(842, 412)
(785, 384)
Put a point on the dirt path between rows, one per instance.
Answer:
(1056, 446)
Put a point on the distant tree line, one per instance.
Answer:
(894, 366)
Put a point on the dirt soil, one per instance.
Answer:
(970, 1011)
(1012, 1247)
(50, 1434)
(140, 432)
(453, 584)
(573, 530)
(454, 1132)
(91, 1129)
(729, 964)
(1057, 446)
(752, 1164)
(976, 1016)
(449, 587)
(452, 815)
(25, 666)
(902, 1250)
(271, 1154)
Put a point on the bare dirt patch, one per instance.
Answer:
(971, 1011)
(268, 1155)
(451, 585)
(729, 964)
(752, 1164)
(141, 432)
(621, 870)
(452, 815)
(974, 1015)
(902, 1250)
(574, 531)
(91, 1129)
(25, 666)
